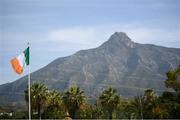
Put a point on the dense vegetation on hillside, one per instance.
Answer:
(73, 103)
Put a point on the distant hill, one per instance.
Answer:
(119, 62)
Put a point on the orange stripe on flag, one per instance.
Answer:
(16, 66)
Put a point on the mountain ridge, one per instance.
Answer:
(119, 62)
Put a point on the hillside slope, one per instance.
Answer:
(119, 62)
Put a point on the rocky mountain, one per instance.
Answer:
(119, 62)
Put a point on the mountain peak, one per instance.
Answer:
(120, 34)
(121, 38)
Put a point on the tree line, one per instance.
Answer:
(72, 103)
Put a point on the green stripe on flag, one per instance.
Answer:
(26, 54)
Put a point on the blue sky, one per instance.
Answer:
(57, 28)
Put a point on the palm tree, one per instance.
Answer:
(54, 106)
(38, 97)
(109, 100)
(135, 107)
(149, 96)
(54, 99)
(151, 102)
(73, 99)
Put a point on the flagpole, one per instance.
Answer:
(29, 87)
(141, 109)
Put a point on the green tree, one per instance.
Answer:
(54, 108)
(153, 108)
(173, 80)
(171, 99)
(99, 112)
(147, 106)
(85, 112)
(38, 97)
(73, 99)
(150, 102)
(109, 100)
(135, 108)
(159, 112)
(122, 112)
(54, 99)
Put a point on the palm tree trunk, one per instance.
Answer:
(39, 111)
(72, 114)
(110, 114)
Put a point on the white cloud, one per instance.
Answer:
(72, 35)
(82, 37)
(88, 37)
(169, 38)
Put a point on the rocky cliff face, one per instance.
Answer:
(119, 62)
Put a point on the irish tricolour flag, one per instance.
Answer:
(20, 61)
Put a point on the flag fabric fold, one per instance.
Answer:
(19, 62)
